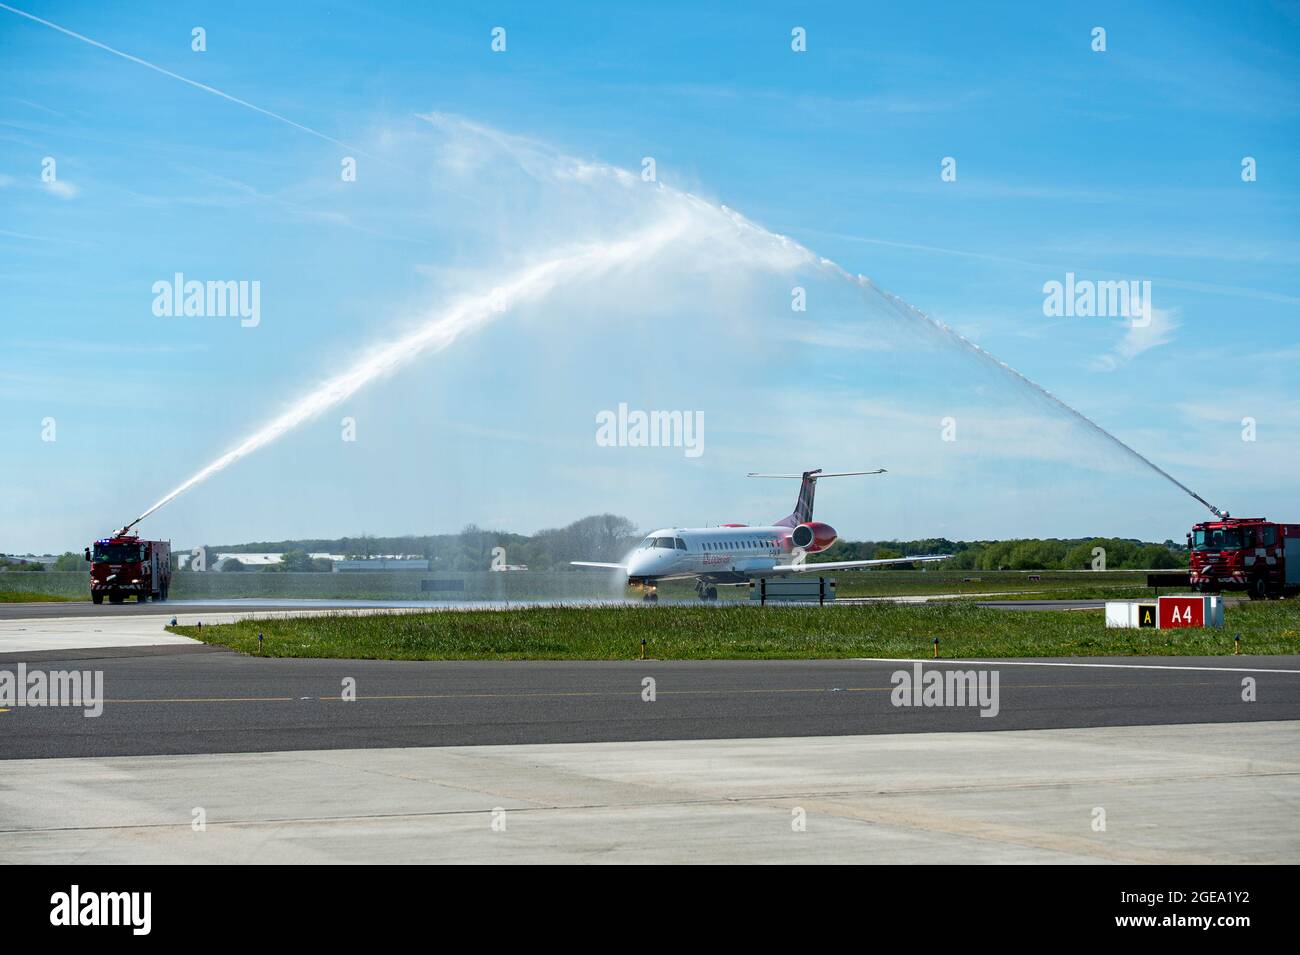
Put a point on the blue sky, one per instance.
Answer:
(1118, 164)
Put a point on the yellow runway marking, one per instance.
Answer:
(619, 693)
(723, 692)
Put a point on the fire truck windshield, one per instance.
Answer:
(117, 553)
(1217, 538)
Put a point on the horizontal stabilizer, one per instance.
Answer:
(816, 474)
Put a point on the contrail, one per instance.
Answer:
(184, 79)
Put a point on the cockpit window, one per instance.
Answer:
(681, 544)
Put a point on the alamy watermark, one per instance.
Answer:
(935, 688)
(76, 907)
(651, 429)
(1085, 298)
(211, 299)
(23, 687)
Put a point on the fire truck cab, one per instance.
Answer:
(124, 565)
(1250, 554)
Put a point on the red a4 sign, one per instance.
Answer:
(1182, 612)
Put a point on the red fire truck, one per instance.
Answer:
(1250, 554)
(124, 564)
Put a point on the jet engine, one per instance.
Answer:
(813, 536)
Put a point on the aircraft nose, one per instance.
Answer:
(644, 564)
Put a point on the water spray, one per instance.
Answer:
(905, 308)
(908, 310)
(534, 283)
(466, 314)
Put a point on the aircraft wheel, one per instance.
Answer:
(711, 593)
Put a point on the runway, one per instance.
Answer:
(636, 761)
(1216, 793)
(188, 699)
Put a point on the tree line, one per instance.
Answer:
(609, 538)
(1083, 553)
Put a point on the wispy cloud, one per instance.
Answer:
(108, 348)
(61, 188)
(1138, 339)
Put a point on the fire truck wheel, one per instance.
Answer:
(97, 598)
(1258, 588)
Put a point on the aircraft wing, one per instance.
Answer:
(809, 567)
(592, 563)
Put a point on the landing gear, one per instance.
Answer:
(651, 597)
(705, 591)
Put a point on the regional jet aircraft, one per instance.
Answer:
(736, 553)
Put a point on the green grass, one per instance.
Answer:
(25, 597)
(744, 632)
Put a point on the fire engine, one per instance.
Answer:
(1250, 554)
(123, 565)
